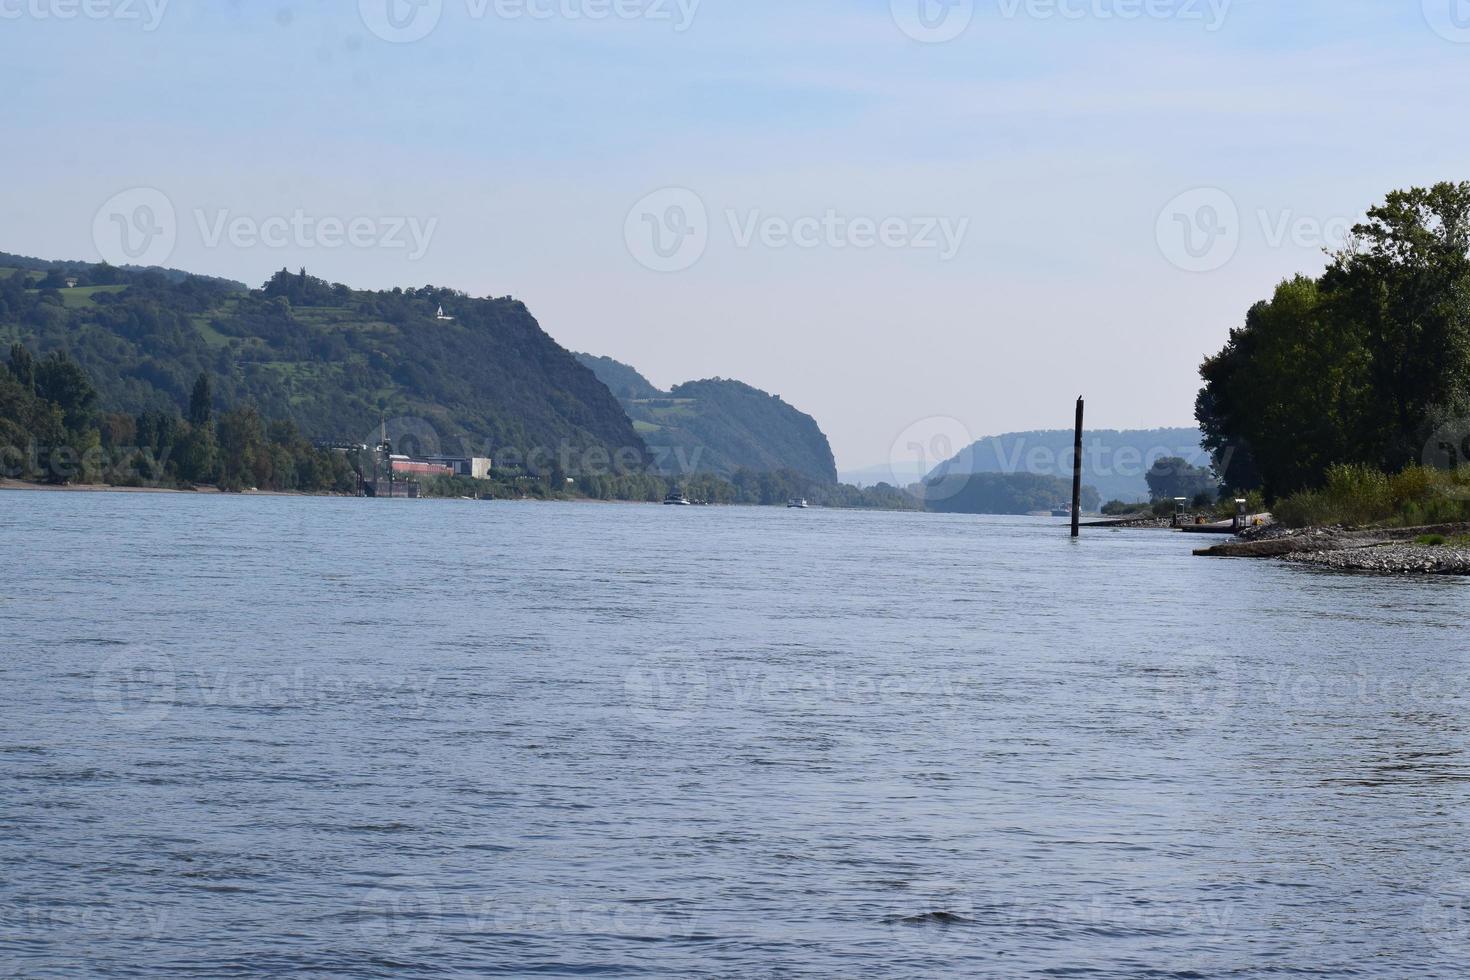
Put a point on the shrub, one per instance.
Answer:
(1255, 503)
(1361, 494)
(1356, 495)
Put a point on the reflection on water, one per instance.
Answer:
(358, 738)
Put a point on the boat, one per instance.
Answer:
(676, 498)
(1061, 512)
(797, 503)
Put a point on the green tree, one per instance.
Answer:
(201, 402)
(242, 446)
(1173, 476)
(1283, 400)
(64, 384)
(198, 454)
(1357, 367)
(1403, 292)
(23, 366)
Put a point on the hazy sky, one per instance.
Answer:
(883, 211)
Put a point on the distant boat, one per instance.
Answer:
(676, 498)
(1061, 512)
(797, 503)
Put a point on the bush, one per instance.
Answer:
(1255, 503)
(1358, 495)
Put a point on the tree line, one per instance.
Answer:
(1367, 365)
(52, 432)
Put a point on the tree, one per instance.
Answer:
(1403, 290)
(1172, 477)
(201, 402)
(242, 448)
(62, 382)
(198, 456)
(1356, 367)
(1282, 401)
(23, 366)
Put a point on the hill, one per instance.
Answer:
(1003, 493)
(1113, 461)
(332, 359)
(623, 381)
(718, 426)
(89, 273)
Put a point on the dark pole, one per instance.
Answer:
(1077, 476)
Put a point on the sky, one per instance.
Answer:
(905, 217)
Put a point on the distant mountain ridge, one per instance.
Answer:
(718, 426)
(1114, 461)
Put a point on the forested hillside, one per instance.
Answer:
(623, 381)
(718, 426)
(330, 359)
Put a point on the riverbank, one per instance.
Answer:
(1132, 523)
(1437, 549)
(9, 484)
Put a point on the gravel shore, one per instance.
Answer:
(1396, 558)
(1386, 551)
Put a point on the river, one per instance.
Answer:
(350, 738)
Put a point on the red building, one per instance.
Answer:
(403, 466)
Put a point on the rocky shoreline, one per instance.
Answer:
(1385, 551)
(1391, 559)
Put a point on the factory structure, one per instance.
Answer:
(396, 475)
(386, 473)
(474, 467)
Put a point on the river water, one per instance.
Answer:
(349, 738)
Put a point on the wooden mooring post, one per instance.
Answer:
(1077, 475)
